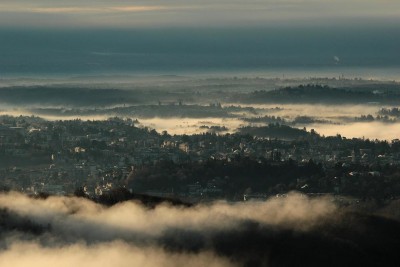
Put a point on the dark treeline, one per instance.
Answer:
(311, 93)
(121, 194)
(142, 111)
(276, 130)
(109, 95)
(394, 112)
(245, 175)
(65, 96)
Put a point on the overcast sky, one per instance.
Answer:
(183, 13)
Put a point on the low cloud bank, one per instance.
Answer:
(291, 231)
(370, 130)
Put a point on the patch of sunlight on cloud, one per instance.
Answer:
(79, 9)
(370, 130)
(138, 8)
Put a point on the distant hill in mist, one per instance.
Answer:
(193, 93)
(323, 94)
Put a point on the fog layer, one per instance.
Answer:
(65, 231)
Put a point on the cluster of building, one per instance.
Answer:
(58, 157)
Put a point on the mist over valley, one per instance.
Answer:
(202, 133)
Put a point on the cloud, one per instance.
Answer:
(137, 8)
(116, 253)
(67, 231)
(336, 59)
(78, 215)
(81, 9)
(190, 13)
(370, 130)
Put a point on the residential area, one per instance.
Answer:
(60, 157)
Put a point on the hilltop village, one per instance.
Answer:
(97, 157)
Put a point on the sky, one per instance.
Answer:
(78, 37)
(204, 13)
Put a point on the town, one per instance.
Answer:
(95, 157)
